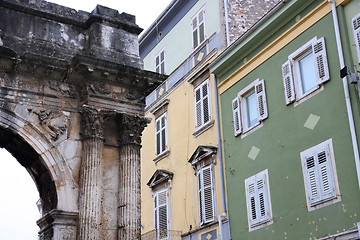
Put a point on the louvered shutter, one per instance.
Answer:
(206, 195)
(198, 108)
(161, 217)
(202, 104)
(258, 200)
(161, 144)
(325, 174)
(261, 100)
(206, 103)
(356, 31)
(319, 177)
(252, 201)
(200, 193)
(201, 16)
(262, 196)
(288, 81)
(312, 179)
(156, 211)
(236, 116)
(158, 136)
(195, 32)
(321, 65)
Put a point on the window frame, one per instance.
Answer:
(157, 215)
(266, 220)
(201, 100)
(197, 29)
(203, 203)
(291, 73)
(239, 108)
(162, 151)
(355, 23)
(158, 55)
(334, 197)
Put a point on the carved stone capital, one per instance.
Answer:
(92, 123)
(131, 128)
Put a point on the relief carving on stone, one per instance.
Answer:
(54, 122)
(66, 233)
(65, 89)
(98, 88)
(92, 122)
(131, 128)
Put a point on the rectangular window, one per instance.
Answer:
(161, 138)
(160, 62)
(202, 104)
(206, 195)
(249, 107)
(161, 214)
(258, 200)
(198, 28)
(319, 174)
(305, 70)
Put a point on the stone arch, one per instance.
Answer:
(42, 160)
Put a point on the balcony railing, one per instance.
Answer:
(161, 235)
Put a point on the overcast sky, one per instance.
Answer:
(18, 191)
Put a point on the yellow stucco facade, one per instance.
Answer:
(183, 194)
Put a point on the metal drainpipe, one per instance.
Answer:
(226, 23)
(346, 91)
(220, 161)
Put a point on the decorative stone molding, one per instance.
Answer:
(160, 177)
(58, 224)
(131, 128)
(98, 88)
(92, 123)
(203, 156)
(54, 122)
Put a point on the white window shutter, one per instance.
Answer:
(250, 186)
(198, 107)
(161, 214)
(166, 138)
(206, 102)
(163, 211)
(321, 65)
(209, 213)
(201, 196)
(288, 82)
(325, 174)
(313, 184)
(263, 202)
(261, 100)
(157, 137)
(206, 195)
(356, 32)
(155, 211)
(202, 104)
(236, 116)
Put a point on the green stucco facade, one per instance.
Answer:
(283, 135)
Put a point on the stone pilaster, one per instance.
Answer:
(58, 224)
(129, 177)
(91, 174)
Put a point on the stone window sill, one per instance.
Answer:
(161, 156)
(204, 128)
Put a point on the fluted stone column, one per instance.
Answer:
(129, 177)
(91, 174)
